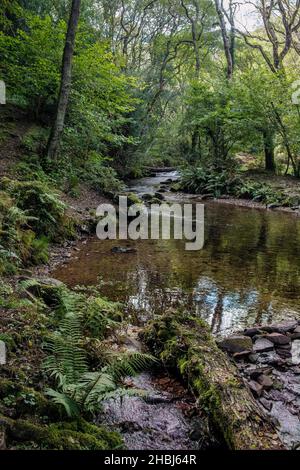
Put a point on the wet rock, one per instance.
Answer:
(147, 197)
(265, 381)
(253, 358)
(296, 333)
(285, 347)
(263, 345)
(241, 355)
(296, 352)
(130, 426)
(271, 358)
(256, 388)
(257, 372)
(159, 196)
(278, 338)
(252, 332)
(280, 327)
(196, 433)
(121, 249)
(283, 353)
(287, 327)
(273, 206)
(268, 405)
(236, 344)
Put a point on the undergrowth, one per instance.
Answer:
(230, 182)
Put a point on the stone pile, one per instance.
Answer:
(268, 358)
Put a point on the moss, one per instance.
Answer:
(185, 345)
(27, 400)
(133, 199)
(63, 436)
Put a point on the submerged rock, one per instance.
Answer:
(121, 249)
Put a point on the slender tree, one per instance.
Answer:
(65, 86)
(228, 39)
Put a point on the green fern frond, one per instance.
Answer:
(130, 364)
(65, 401)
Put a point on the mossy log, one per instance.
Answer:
(184, 343)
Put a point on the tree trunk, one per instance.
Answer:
(65, 86)
(269, 147)
(184, 343)
(227, 43)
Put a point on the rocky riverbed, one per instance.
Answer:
(268, 358)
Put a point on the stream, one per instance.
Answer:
(248, 273)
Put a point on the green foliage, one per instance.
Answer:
(31, 215)
(209, 181)
(100, 176)
(43, 206)
(77, 389)
(31, 61)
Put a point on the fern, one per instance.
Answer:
(67, 361)
(130, 364)
(77, 388)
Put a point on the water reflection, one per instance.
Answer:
(248, 272)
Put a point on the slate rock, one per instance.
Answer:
(296, 333)
(256, 388)
(286, 347)
(282, 327)
(278, 338)
(253, 358)
(283, 353)
(241, 355)
(265, 381)
(263, 345)
(268, 405)
(258, 371)
(252, 332)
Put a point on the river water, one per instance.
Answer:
(247, 273)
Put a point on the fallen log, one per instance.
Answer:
(185, 344)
